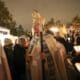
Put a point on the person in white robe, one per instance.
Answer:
(53, 53)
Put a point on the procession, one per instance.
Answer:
(43, 57)
(39, 40)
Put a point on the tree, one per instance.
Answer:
(58, 23)
(50, 23)
(76, 20)
(20, 30)
(14, 31)
(6, 19)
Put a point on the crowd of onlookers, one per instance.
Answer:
(16, 53)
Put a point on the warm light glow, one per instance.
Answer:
(54, 29)
(5, 33)
(77, 66)
(63, 30)
(77, 48)
(68, 38)
(2, 38)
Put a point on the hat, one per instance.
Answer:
(7, 41)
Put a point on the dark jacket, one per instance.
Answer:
(19, 58)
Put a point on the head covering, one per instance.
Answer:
(38, 22)
(37, 18)
(22, 41)
(7, 41)
(23, 36)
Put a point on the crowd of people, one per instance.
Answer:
(43, 57)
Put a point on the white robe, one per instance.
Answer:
(58, 54)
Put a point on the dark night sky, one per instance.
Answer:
(63, 10)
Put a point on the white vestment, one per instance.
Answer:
(57, 52)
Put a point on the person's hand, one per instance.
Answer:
(43, 56)
(29, 58)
